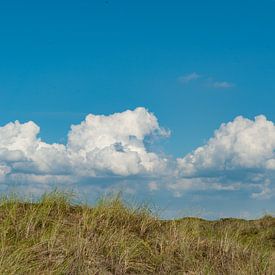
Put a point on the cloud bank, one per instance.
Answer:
(240, 155)
(98, 146)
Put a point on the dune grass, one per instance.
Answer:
(53, 236)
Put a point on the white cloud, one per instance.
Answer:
(222, 85)
(98, 146)
(189, 77)
(240, 155)
(241, 144)
(185, 184)
(241, 150)
(115, 143)
(153, 186)
(209, 81)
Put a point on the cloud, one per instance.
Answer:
(240, 144)
(153, 186)
(99, 146)
(240, 151)
(189, 77)
(113, 148)
(209, 81)
(222, 85)
(115, 143)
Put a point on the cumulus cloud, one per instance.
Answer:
(98, 146)
(241, 150)
(115, 143)
(240, 144)
(240, 155)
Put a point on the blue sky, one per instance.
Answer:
(193, 64)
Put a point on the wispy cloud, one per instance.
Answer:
(208, 81)
(153, 186)
(222, 85)
(189, 77)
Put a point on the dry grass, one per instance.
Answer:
(55, 237)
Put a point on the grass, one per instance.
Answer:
(53, 236)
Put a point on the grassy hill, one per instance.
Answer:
(54, 236)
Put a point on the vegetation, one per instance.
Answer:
(53, 236)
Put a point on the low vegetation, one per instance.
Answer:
(54, 236)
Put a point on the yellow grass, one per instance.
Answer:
(53, 236)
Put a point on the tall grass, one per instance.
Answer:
(54, 236)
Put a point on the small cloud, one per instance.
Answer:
(189, 77)
(153, 186)
(222, 85)
(185, 79)
(246, 215)
(266, 191)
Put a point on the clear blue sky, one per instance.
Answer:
(60, 60)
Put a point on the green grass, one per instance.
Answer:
(53, 236)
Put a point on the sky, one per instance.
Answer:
(171, 102)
